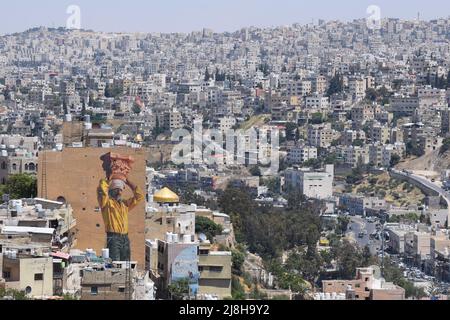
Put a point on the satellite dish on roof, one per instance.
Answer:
(202, 237)
(376, 271)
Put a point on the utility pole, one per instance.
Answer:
(382, 242)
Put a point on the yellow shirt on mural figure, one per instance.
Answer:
(115, 213)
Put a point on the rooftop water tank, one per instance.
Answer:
(105, 253)
(15, 203)
(168, 237)
(41, 214)
(175, 238)
(187, 238)
(18, 208)
(4, 153)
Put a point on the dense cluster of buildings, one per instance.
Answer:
(339, 96)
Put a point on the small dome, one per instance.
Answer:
(166, 196)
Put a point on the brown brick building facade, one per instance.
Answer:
(73, 175)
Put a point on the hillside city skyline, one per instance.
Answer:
(297, 162)
(181, 16)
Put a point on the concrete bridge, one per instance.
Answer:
(427, 187)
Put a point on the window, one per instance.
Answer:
(215, 269)
(38, 277)
(94, 291)
(122, 290)
(200, 269)
(357, 285)
(6, 275)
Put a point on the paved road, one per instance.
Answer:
(358, 224)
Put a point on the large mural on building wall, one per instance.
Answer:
(185, 266)
(114, 207)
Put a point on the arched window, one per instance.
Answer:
(61, 199)
(14, 166)
(32, 167)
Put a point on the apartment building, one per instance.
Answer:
(316, 185)
(366, 286)
(355, 156)
(358, 204)
(215, 272)
(30, 274)
(300, 154)
(321, 136)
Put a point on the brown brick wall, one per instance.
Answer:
(74, 174)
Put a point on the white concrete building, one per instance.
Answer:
(316, 185)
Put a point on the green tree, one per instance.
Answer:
(355, 177)
(291, 131)
(255, 171)
(395, 160)
(237, 203)
(336, 85)
(291, 281)
(273, 184)
(342, 225)
(136, 109)
(317, 118)
(21, 186)
(358, 143)
(313, 163)
(445, 146)
(237, 258)
(308, 263)
(371, 94)
(392, 273)
(348, 258)
(207, 75)
(207, 227)
(237, 290)
(13, 293)
(179, 290)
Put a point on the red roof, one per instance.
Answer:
(61, 255)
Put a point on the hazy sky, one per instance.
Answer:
(190, 15)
